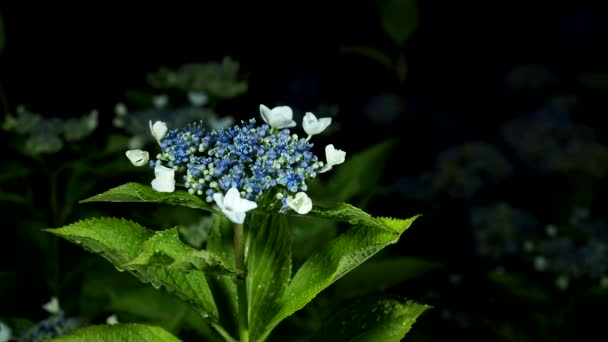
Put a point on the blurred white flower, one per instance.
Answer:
(120, 109)
(198, 99)
(160, 101)
(52, 306)
(5, 333)
(112, 319)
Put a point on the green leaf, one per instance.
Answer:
(268, 268)
(165, 249)
(399, 19)
(339, 257)
(345, 212)
(374, 318)
(381, 274)
(119, 332)
(121, 241)
(359, 175)
(135, 192)
(221, 242)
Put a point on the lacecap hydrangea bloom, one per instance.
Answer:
(235, 167)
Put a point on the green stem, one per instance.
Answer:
(241, 285)
(223, 332)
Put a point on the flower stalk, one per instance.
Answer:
(241, 284)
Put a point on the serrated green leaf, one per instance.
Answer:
(359, 175)
(120, 241)
(345, 212)
(268, 268)
(339, 257)
(135, 192)
(119, 332)
(374, 318)
(399, 19)
(165, 249)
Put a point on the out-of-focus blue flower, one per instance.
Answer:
(500, 230)
(550, 142)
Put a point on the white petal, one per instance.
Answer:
(265, 112)
(138, 157)
(312, 125)
(165, 179)
(52, 306)
(219, 200)
(301, 203)
(158, 129)
(234, 216)
(244, 205)
(232, 198)
(197, 99)
(333, 156)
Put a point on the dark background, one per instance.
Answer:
(64, 61)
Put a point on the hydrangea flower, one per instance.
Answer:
(312, 125)
(233, 206)
(236, 166)
(164, 180)
(278, 117)
(158, 129)
(333, 156)
(138, 157)
(301, 203)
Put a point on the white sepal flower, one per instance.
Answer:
(233, 206)
(333, 156)
(313, 126)
(160, 101)
(5, 333)
(112, 319)
(138, 157)
(278, 117)
(165, 179)
(301, 203)
(197, 99)
(158, 129)
(52, 306)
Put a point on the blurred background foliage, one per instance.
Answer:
(485, 117)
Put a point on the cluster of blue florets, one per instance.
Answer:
(52, 327)
(252, 159)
